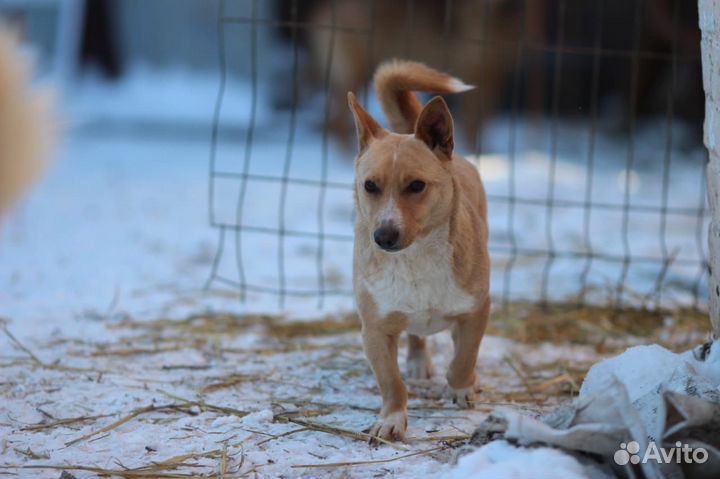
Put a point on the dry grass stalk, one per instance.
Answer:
(133, 351)
(125, 473)
(205, 406)
(62, 422)
(561, 379)
(230, 381)
(455, 438)
(125, 419)
(162, 408)
(374, 461)
(325, 405)
(329, 429)
(223, 464)
(285, 434)
(40, 362)
(522, 377)
(31, 454)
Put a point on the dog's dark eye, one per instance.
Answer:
(371, 187)
(416, 186)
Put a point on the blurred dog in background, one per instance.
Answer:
(472, 40)
(26, 128)
(510, 49)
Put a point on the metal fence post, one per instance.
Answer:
(709, 16)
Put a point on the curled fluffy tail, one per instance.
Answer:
(26, 129)
(396, 80)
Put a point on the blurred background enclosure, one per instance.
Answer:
(585, 124)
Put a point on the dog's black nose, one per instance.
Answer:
(386, 237)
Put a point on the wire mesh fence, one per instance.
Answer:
(585, 127)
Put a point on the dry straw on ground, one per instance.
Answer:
(331, 345)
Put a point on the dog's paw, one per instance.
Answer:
(420, 367)
(463, 397)
(390, 427)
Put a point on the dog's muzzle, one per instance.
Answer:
(387, 237)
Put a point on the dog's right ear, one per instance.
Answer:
(367, 128)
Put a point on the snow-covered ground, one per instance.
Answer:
(223, 386)
(118, 232)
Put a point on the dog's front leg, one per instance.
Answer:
(467, 333)
(382, 351)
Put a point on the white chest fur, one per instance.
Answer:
(419, 282)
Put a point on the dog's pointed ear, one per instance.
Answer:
(367, 128)
(434, 127)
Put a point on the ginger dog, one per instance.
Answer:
(420, 260)
(26, 128)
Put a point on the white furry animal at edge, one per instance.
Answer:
(26, 128)
(419, 282)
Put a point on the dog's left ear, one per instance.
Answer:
(434, 127)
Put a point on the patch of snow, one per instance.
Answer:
(500, 459)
